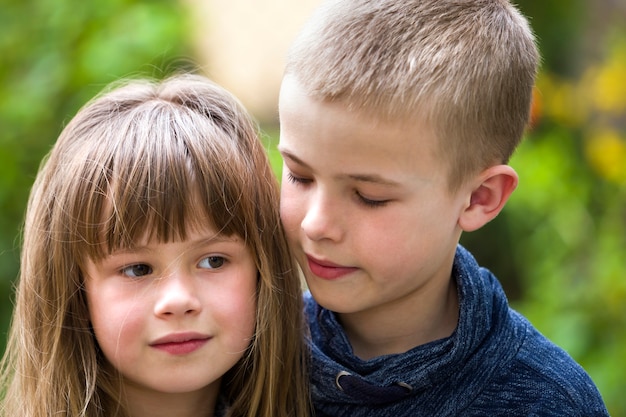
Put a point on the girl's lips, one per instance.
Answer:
(328, 270)
(181, 343)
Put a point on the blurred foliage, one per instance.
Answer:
(55, 56)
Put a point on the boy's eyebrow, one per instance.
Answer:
(371, 178)
(375, 179)
(292, 157)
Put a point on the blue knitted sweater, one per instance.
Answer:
(494, 364)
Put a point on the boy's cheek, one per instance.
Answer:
(291, 205)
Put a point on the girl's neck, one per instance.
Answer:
(143, 403)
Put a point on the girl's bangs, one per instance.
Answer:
(158, 182)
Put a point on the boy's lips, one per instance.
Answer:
(180, 343)
(326, 269)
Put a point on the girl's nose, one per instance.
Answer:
(177, 296)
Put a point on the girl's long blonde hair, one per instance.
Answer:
(133, 161)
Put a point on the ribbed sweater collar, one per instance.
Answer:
(467, 353)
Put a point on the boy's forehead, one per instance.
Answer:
(292, 96)
(315, 132)
(297, 104)
(329, 136)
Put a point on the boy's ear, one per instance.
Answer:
(489, 195)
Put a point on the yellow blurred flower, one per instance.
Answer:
(608, 83)
(606, 153)
(562, 100)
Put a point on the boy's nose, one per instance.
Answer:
(321, 220)
(177, 296)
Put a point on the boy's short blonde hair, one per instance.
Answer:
(466, 67)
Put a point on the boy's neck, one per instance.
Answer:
(421, 317)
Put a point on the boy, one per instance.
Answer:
(398, 118)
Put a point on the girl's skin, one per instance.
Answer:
(173, 317)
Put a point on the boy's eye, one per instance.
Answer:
(297, 180)
(212, 262)
(371, 203)
(137, 270)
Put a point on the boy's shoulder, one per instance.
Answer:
(539, 379)
(530, 375)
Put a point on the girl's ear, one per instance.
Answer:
(493, 189)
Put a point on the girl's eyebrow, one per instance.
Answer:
(130, 250)
(217, 238)
(147, 248)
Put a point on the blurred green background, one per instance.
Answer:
(558, 247)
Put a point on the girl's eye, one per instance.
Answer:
(137, 270)
(212, 262)
(297, 180)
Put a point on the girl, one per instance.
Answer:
(155, 278)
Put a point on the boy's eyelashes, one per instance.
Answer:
(297, 180)
(369, 202)
(360, 197)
